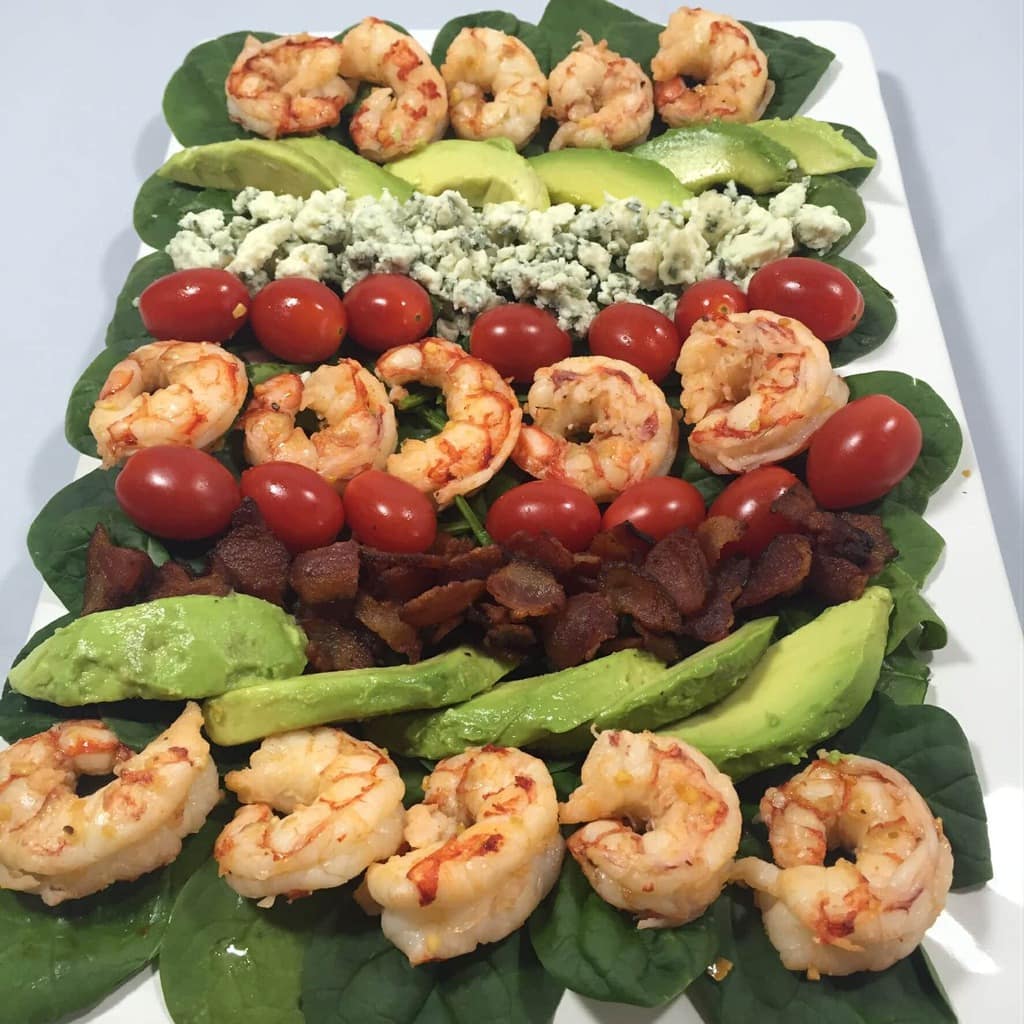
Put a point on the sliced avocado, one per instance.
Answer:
(818, 147)
(261, 708)
(590, 176)
(807, 686)
(174, 648)
(702, 155)
(355, 174)
(484, 172)
(520, 712)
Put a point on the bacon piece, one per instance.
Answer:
(447, 545)
(476, 564)
(527, 590)
(174, 580)
(384, 619)
(114, 576)
(780, 570)
(510, 636)
(835, 579)
(541, 549)
(326, 574)
(333, 647)
(664, 647)
(439, 604)
(574, 634)
(251, 558)
(714, 533)
(677, 563)
(715, 619)
(622, 543)
(630, 591)
(882, 549)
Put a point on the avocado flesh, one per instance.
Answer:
(355, 174)
(483, 172)
(702, 155)
(253, 711)
(589, 177)
(818, 147)
(521, 712)
(805, 688)
(174, 648)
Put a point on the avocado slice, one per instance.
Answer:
(520, 712)
(261, 708)
(818, 147)
(355, 174)
(702, 155)
(588, 177)
(174, 648)
(807, 686)
(484, 172)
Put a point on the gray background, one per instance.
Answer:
(81, 130)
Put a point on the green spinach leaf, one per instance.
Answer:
(795, 65)
(353, 975)
(530, 34)
(161, 203)
(875, 325)
(856, 175)
(627, 33)
(904, 675)
(126, 330)
(832, 190)
(920, 546)
(598, 951)
(912, 615)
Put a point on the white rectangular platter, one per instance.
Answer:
(976, 944)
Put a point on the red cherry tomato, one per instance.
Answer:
(749, 499)
(636, 334)
(177, 493)
(205, 304)
(713, 297)
(817, 294)
(656, 506)
(388, 514)
(862, 452)
(385, 310)
(299, 507)
(518, 339)
(541, 506)
(298, 320)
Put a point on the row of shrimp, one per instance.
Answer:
(491, 85)
(470, 863)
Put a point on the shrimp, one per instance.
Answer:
(633, 432)
(484, 62)
(485, 851)
(62, 846)
(168, 392)
(756, 386)
(860, 916)
(358, 430)
(413, 108)
(287, 85)
(483, 425)
(342, 800)
(718, 50)
(690, 814)
(601, 99)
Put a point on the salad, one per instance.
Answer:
(322, 953)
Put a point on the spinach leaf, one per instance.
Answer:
(875, 325)
(904, 675)
(855, 175)
(598, 951)
(688, 468)
(758, 988)
(832, 190)
(59, 535)
(260, 372)
(161, 203)
(942, 440)
(126, 330)
(627, 33)
(530, 34)
(795, 65)
(912, 615)
(194, 103)
(83, 398)
(928, 746)
(353, 975)
(920, 546)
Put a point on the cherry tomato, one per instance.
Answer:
(749, 499)
(656, 506)
(817, 294)
(388, 514)
(562, 510)
(862, 452)
(713, 297)
(177, 493)
(298, 505)
(205, 304)
(518, 339)
(636, 334)
(385, 310)
(298, 320)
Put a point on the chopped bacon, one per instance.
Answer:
(384, 618)
(173, 580)
(527, 590)
(439, 604)
(326, 574)
(476, 564)
(113, 575)
(714, 533)
(574, 634)
(630, 591)
(677, 563)
(715, 619)
(780, 570)
(542, 549)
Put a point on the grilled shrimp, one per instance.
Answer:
(483, 425)
(723, 55)
(600, 98)
(484, 62)
(756, 386)
(168, 392)
(288, 85)
(859, 916)
(633, 432)
(62, 846)
(342, 800)
(358, 429)
(675, 869)
(411, 110)
(485, 851)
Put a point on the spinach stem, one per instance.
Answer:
(465, 509)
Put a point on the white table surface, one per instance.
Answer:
(82, 128)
